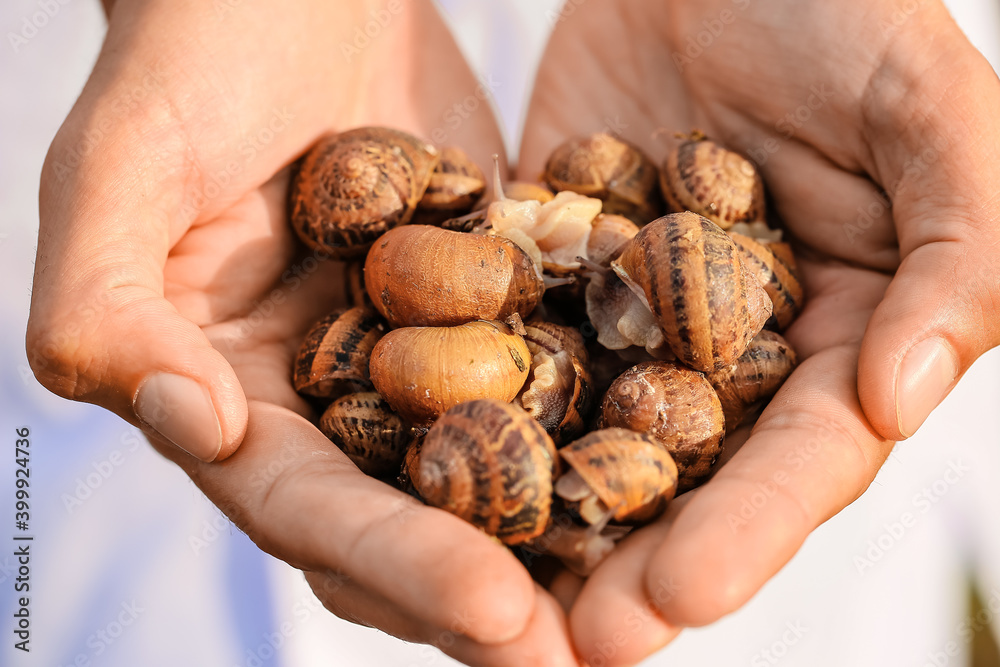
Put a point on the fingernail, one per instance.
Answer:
(926, 374)
(181, 411)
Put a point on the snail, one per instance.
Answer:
(456, 184)
(557, 393)
(368, 431)
(490, 464)
(523, 191)
(610, 169)
(774, 266)
(580, 548)
(424, 276)
(617, 474)
(754, 378)
(621, 318)
(423, 371)
(701, 176)
(692, 278)
(333, 358)
(354, 280)
(675, 405)
(354, 186)
(608, 237)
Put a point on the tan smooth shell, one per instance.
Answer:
(424, 371)
(424, 276)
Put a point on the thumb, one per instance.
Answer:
(940, 311)
(99, 328)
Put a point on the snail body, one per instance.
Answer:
(424, 371)
(354, 186)
(691, 276)
(675, 405)
(420, 275)
(334, 356)
(373, 436)
(701, 176)
(491, 464)
(610, 169)
(619, 473)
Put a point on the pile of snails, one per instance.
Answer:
(555, 364)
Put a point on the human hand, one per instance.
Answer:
(845, 107)
(170, 290)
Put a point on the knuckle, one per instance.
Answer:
(59, 357)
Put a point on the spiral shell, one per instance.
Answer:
(423, 371)
(354, 186)
(691, 276)
(755, 376)
(610, 169)
(368, 431)
(455, 186)
(424, 276)
(702, 176)
(628, 474)
(557, 393)
(774, 266)
(334, 357)
(675, 405)
(608, 238)
(492, 465)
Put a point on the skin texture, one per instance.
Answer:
(903, 104)
(176, 270)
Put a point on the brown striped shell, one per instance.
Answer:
(774, 266)
(424, 371)
(691, 276)
(557, 393)
(627, 474)
(354, 279)
(610, 169)
(675, 405)
(455, 186)
(701, 176)
(424, 276)
(354, 186)
(368, 431)
(490, 464)
(333, 358)
(754, 378)
(608, 237)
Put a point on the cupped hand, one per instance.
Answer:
(169, 290)
(874, 125)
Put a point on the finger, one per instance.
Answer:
(300, 498)
(811, 454)
(100, 329)
(616, 618)
(543, 642)
(940, 312)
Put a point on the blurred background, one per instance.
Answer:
(131, 565)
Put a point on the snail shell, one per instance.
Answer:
(491, 464)
(675, 405)
(754, 378)
(608, 238)
(354, 279)
(691, 276)
(557, 393)
(368, 431)
(354, 186)
(334, 357)
(455, 186)
(610, 169)
(522, 191)
(627, 474)
(423, 371)
(424, 276)
(774, 266)
(701, 176)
